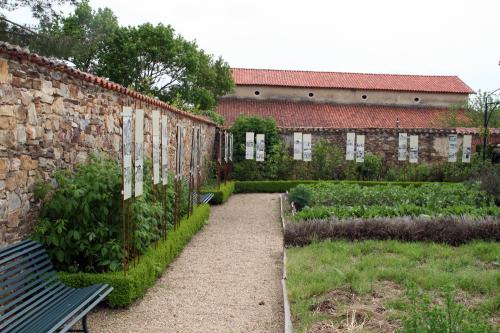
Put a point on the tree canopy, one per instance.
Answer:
(151, 59)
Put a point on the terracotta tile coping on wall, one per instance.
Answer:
(23, 54)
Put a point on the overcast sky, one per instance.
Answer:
(442, 37)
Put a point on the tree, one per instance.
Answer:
(471, 114)
(86, 30)
(41, 9)
(155, 60)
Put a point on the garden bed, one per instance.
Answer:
(380, 286)
(143, 274)
(282, 186)
(221, 194)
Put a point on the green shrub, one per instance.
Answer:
(222, 194)
(143, 274)
(451, 317)
(81, 224)
(371, 168)
(301, 196)
(276, 164)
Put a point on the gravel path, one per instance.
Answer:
(227, 279)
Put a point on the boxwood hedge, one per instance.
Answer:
(222, 194)
(281, 186)
(143, 274)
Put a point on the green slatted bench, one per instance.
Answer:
(33, 300)
(206, 197)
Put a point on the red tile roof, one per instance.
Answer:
(309, 79)
(57, 65)
(306, 114)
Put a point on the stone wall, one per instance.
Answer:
(54, 117)
(432, 143)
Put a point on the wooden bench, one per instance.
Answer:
(206, 197)
(32, 299)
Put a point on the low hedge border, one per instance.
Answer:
(222, 194)
(452, 230)
(143, 275)
(281, 186)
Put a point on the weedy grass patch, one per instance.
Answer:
(349, 275)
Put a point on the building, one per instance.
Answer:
(330, 104)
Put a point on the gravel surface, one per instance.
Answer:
(227, 279)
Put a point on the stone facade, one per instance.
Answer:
(432, 143)
(54, 118)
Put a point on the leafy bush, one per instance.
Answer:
(143, 274)
(81, 225)
(276, 164)
(300, 195)
(371, 168)
(220, 195)
(451, 317)
(453, 230)
(490, 182)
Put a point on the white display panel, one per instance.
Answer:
(156, 147)
(164, 149)
(226, 147)
(127, 132)
(349, 148)
(297, 146)
(249, 146)
(452, 147)
(179, 151)
(139, 152)
(307, 145)
(403, 147)
(360, 148)
(231, 146)
(467, 148)
(260, 148)
(413, 148)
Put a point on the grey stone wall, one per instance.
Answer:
(50, 119)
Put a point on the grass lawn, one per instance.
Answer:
(339, 285)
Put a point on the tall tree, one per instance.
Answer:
(155, 60)
(471, 113)
(87, 31)
(41, 9)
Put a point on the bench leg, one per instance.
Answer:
(84, 324)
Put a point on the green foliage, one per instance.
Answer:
(81, 224)
(41, 190)
(431, 195)
(301, 196)
(281, 186)
(220, 195)
(371, 168)
(40, 9)
(356, 267)
(155, 60)
(143, 274)
(490, 182)
(451, 317)
(396, 210)
(88, 29)
(276, 164)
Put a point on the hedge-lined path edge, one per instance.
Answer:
(227, 279)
